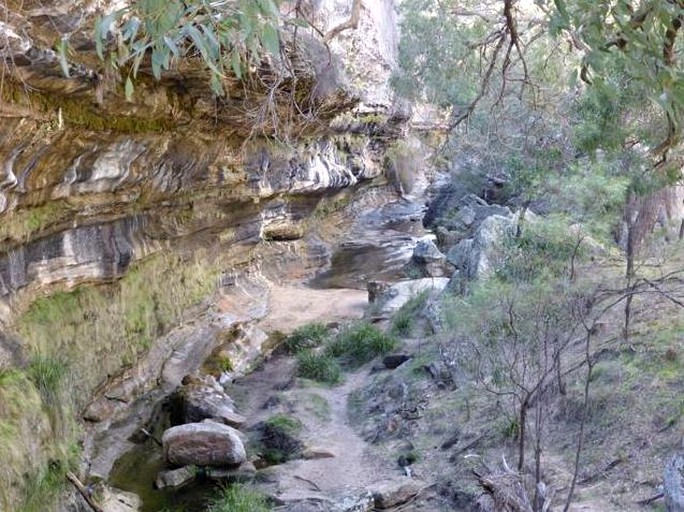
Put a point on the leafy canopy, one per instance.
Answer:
(228, 37)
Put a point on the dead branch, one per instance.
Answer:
(83, 490)
(352, 22)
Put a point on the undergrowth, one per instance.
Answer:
(239, 498)
(358, 343)
(305, 337)
(403, 321)
(319, 367)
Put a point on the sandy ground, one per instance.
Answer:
(291, 307)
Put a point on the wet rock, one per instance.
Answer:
(244, 473)
(201, 398)
(390, 495)
(116, 500)
(203, 444)
(673, 484)
(175, 478)
(392, 361)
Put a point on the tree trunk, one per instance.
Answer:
(521, 433)
(521, 219)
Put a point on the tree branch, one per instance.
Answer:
(352, 22)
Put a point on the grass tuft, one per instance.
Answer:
(359, 343)
(306, 337)
(238, 498)
(319, 367)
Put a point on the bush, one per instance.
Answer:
(305, 337)
(238, 498)
(359, 343)
(545, 247)
(318, 367)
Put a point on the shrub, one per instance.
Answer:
(305, 337)
(318, 367)
(238, 498)
(359, 343)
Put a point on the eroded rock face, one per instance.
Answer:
(203, 444)
(673, 484)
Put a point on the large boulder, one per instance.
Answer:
(203, 444)
(478, 257)
(398, 294)
(673, 484)
(201, 398)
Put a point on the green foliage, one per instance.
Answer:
(543, 250)
(99, 329)
(403, 320)
(633, 42)
(279, 442)
(238, 498)
(436, 63)
(285, 424)
(48, 375)
(305, 337)
(228, 37)
(359, 343)
(320, 367)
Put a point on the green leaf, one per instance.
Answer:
(172, 46)
(236, 64)
(130, 30)
(99, 47)
(128, 89)
(270, 39)
(216, 85)
(269, 8)
(62, 47)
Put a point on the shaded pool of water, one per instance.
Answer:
(136, 471)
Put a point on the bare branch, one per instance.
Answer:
(352, 22)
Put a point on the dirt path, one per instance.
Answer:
(323, 411)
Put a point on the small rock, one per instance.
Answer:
(203, 444)
(391, 495)
(100, 409)
(175, 478)
(244, 473)
(392, 361)
(427, 252)
(116, 500)
(313, 453)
